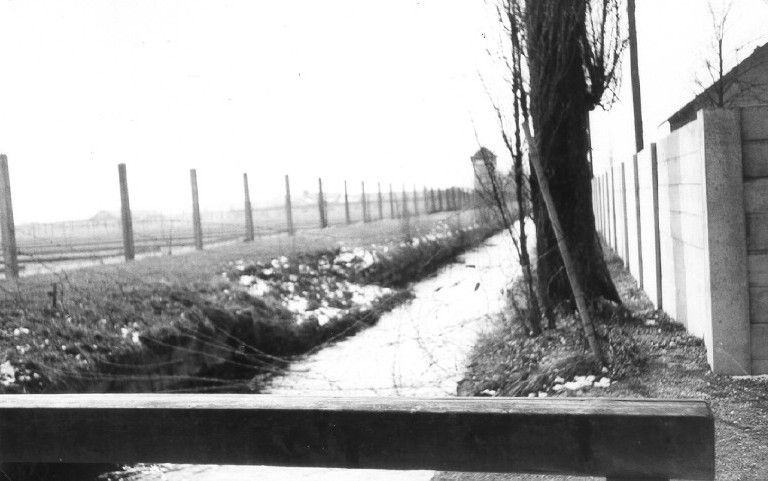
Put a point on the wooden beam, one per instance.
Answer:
(602, 437)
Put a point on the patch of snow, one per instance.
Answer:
(20, 330)
(296, 304)
(603, 382)
(258, 288)
(7, 373)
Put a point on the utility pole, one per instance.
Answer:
(636, 103)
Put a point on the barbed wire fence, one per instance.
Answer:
(107, 237)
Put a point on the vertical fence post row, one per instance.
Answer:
(198, 228)
(364, 202)
(321, 204)
(125, 214)
(381, 202)
(10, 253)
(656, 233)
(639, 223)
(347, 218)
(249, 234)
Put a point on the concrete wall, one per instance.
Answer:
(754, 140)
(687, 237)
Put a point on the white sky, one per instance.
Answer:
(374, 91)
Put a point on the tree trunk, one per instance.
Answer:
(559, 107)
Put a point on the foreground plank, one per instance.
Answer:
(604, 437)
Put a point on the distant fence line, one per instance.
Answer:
(689, 217)
(126, 236)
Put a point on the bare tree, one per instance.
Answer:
(573, 53)
(721, 88)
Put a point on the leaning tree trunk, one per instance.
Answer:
(559, 109)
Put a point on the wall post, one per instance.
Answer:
(613, 210)
(656, 231)
(639, 223)
(624, 213)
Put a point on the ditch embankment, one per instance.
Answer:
(220, 320)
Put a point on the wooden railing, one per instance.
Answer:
(619, 439)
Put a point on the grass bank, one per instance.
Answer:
(651, 357)
(220, 319)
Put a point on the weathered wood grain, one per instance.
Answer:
(604, 437)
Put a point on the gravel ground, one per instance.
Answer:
(675, 368)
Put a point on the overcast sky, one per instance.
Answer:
(346, 89)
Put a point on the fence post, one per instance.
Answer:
(346, 204)
(415, 203)
(198, 228)
(391, 203)
(364, 202)
(321, 204)
(426, 201)
(639, 224)
(125, 214)
(433, 202)
(656, 233)
(249, 235)
(406, 217)
(10, 255)
(381, 202)
(288, 206)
